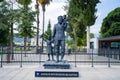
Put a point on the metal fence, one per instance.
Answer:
(84, 56)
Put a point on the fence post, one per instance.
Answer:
(119, 53)
(109, 58)
(39, 58)
(2, 57)
(75, 57)
(21, 58)
(92, 58)
(39, 52)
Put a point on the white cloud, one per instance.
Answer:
(52, 12)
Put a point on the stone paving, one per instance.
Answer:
(100, 71)
(86, 72)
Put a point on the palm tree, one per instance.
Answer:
(43, 4)
(37, 35)
(24, 2)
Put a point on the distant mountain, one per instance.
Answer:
(18, 40)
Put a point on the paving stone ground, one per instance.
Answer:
(99, 72)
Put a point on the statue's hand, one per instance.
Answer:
(52, 40)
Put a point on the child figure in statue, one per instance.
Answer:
(49, 48)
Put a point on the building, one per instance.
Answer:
(94, 45)
(109, 46)
(109, 42)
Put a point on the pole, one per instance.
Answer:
(75, 58)
(1, 56)
(108, 58)
(21, 58)
(92, 58)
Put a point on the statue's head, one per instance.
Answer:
(60, 19)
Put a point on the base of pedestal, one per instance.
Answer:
(56, 65)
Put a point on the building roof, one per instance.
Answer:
(111, 38)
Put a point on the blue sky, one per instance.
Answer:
(104, 8)
(56, 8)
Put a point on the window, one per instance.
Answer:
(91, 45)
(115, 45)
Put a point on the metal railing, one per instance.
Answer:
(83, 56)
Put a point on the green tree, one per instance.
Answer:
(25, 3)
(4, 30)
(91, 35)
(1, 0)
(74, 16)
(4, 26)
(25, 26)
(89, 10)
(3, 15)
(8, 18)
(82, 12)
(13, 18)
(48, 32)
(111, 23)
(115, 29)
(4, 36)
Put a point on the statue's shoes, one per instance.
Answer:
(48, 60)
(57, 61)
(53, 59)
(61, 60)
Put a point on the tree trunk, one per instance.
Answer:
(37, 40)
(25, 41)
(11, 40)
(88, 38)
(43, 29)
(75, 39)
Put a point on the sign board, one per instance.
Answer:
(56, 74)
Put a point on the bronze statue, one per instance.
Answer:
(59, 37)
